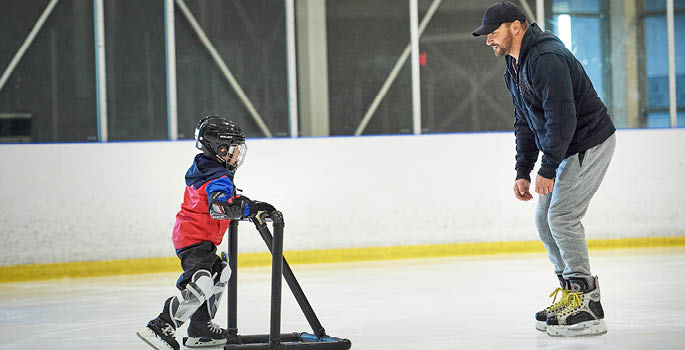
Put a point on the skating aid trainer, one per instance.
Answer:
(279, 270)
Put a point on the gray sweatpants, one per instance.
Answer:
(559, 213)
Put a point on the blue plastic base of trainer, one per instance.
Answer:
(288, 341)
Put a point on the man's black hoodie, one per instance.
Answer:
(556, 107)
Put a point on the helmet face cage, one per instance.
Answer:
(222, 140)
(233, 154)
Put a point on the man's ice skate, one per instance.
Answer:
(205, 334)
(583, 316)
(160, 335)
(541, 316)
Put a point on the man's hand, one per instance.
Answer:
(543, 185)
(522, 190)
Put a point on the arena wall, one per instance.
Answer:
(117, 200)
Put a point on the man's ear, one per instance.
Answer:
(515, 27)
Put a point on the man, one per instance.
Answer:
(558, 112)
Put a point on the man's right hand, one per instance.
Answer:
(522, 190)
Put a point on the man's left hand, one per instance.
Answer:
(543, 185)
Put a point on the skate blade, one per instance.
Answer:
(202, 342)
(151, 339)
(541, 326)
(582, 329)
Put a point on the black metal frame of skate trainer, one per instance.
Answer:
(279, 269)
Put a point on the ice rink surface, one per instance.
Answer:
(485, 302)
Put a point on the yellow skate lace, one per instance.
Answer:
(575, 302)
(562, 303)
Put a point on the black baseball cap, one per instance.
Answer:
(496, 14)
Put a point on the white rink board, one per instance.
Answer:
(92, 201)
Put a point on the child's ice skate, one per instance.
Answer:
(584, 314)
(205, 334)
(160, 335)
(541, 316)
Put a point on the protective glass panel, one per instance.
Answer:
(249, 37)
(569, 6)
(656, 58)
(462, 84)
(136, 71)
(680, 67)
(660, 5)
(365, 40)
(656, 64)
(582, 35)
(49, 95)
(612, 53)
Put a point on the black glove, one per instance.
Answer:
(262, 206)
(221, 207)
(247, 205)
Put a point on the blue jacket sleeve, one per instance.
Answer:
(526, 150)
(552, 81)
(223, 185)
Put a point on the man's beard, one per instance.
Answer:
(504, 48)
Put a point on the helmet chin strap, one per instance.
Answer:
(227, 164)
(221, 159)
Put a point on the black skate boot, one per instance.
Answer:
(160, 333)
(205, 334)
(542, 316)
(584, 314)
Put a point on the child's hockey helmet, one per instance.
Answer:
(222, 140)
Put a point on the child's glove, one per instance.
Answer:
(222, 207)
(261, 206)
(258, 209)
(247, 204)
(251, 208)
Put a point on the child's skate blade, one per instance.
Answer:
(193, 342)
(148, 336)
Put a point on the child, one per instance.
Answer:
(209, 203)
